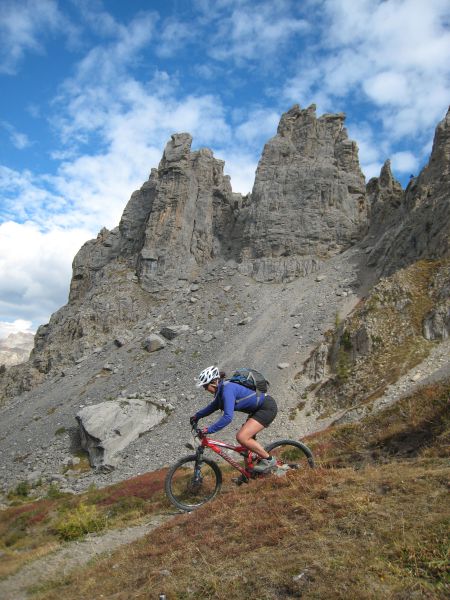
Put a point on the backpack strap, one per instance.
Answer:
(258, 395)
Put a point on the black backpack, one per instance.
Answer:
(250, 378)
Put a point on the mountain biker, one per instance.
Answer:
(230, 396)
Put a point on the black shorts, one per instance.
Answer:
(266, 413)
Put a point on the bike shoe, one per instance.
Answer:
(265, 464)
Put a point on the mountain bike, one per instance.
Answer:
(195, 479)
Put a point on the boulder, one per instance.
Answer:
(153, 342)
(173, 331)
(109, 427)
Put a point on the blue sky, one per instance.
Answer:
(91, 91)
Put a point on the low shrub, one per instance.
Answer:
(81, 520)
(22, 489)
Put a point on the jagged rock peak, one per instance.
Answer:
(191, 209)
(312, 136)
(308, 199)
(177, 150)
(386, 179)
(420, 225)
(384, 196)
(438, 167)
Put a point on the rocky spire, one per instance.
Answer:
(384, 196)
(420, 227)
(191, 193)
(308, 199)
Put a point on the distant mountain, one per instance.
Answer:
(16, 348)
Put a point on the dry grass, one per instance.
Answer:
(417, 424)
(392, 318)
(378, 531)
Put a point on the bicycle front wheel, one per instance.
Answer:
(190, 483)
(292, 453)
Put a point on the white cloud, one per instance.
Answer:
(241, 168)
(387, 87)
(405, 162)
(391, 55)
(249, 30)
(35, 269)
(259, 125)
(173, 36)
(23, 27)
(18, 140)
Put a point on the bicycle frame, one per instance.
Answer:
(218, 446)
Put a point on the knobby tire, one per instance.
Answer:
(293, 453)
(181, 489)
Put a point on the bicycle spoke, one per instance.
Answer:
(289, 452)
(189, 487)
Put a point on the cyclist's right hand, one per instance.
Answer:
(202, 431)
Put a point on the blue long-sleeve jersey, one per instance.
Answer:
(229, 397)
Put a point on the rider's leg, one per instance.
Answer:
(245, 436)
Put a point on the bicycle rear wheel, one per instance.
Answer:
(191, 483)
(292, 453)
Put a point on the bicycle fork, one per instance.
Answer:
(197, 479)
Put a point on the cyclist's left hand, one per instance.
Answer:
(203, 431)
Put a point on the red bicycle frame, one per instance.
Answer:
(216, 446)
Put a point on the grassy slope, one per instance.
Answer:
(370, 522)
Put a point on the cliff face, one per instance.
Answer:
(308, 200)
(192, 197)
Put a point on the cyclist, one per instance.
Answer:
(230, 396)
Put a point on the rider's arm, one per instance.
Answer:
(207, 410)
(228, 411)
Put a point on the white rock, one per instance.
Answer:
(109, 427)
(283, 365)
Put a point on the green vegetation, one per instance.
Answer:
(343, 366)
(20, 492)
(74, 523)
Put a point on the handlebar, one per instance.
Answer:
(197, 431)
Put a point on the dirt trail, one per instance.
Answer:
(72, 555)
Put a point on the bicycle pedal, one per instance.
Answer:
(239, 480)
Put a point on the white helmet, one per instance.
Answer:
(207, 375)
